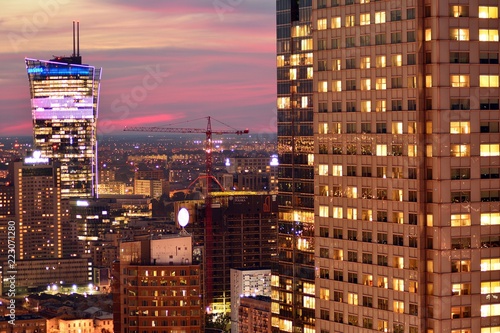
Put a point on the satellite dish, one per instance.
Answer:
(183, 217)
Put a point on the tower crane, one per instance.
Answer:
(208, 199)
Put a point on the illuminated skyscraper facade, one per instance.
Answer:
(406, 160)
(406, 167)
(293, 272)
(64, 100)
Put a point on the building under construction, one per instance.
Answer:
(243, 236)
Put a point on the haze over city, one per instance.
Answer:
(163, 61)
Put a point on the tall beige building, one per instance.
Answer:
(407, 155)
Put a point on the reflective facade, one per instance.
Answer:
(293, 272)
(64, 100)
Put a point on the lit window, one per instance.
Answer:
(428, 34)
(399, 306)
(488, 12)
(379, 17)
(428, 81)
(428, 150)
(460, 220)
(352, 213)
(459, 81)
(336, 23)
(364, 19)
(336, 64)
(397, 128)
(365, 62)
(397, 60)
(324, 293)
(310, 72)
(398, 284)
(293, 73)
(322, 86)
(366, 84)
(490, 218)
(381, 150)
(337, 212)
(412, 150)
(458, 289)
(323, 169)
(280, 61)
(302, 30)
(490, 149)
(323, 128)
(459, 11)
(306, 44)
(350, 21)
(285, 325)
(490, 310)
(366, 106)
(337, 170)
(491, 264)
(486, 81)
(352, 298)
(488, 35)
(352, 192)
(380, 61)
(459, 34)
(323, 211)
(380, 83)
(459, 127)
(490, 287)
(336, 85)
(283, 102)
(304, 102)
(380, 106)
(322, 24)
(460, 150)
(308, 302)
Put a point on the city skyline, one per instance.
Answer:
(168, 63)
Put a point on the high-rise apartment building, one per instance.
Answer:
(64, 99)
(407, 154)
(294, 272)
(39, 215)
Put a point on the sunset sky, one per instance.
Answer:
(210, 58)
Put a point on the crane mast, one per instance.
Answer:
(209, 236)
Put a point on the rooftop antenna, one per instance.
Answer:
(77, 39)
(74, 39)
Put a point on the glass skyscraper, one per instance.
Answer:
(293, 272)
(64, 100)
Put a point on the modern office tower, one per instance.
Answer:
(243, 236)
(406, 122)
(156, 286)
(64, 100)
(39, 216)
(294, 272)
